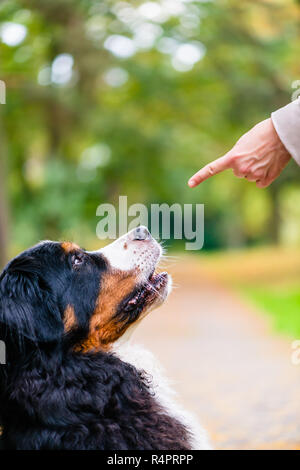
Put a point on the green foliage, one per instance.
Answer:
(159, 124)
(282, 304)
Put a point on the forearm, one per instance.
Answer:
(287, 124)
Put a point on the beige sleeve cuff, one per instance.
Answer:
(287, 125)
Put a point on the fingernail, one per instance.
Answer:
(192, 183)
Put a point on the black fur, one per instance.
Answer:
(52, 397)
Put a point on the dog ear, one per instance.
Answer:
(27, 306)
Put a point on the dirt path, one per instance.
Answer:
(227, 365)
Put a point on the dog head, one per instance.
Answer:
(55, 291)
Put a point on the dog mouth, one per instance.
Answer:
(157, 280)
(154, 290)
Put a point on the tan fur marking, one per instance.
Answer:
(68, 247)
(69, 318)
(115, 286)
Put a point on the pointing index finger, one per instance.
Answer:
(213, 168)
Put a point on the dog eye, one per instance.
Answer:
(77, 260)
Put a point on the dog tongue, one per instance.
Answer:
(133, 301)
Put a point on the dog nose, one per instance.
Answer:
(141, 233)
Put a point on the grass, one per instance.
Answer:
(283, 304)
(269, 278)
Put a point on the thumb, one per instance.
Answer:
(213, 168)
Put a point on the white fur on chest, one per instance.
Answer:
(164, 394)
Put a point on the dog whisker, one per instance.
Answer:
(155, 290)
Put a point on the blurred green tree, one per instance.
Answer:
(112, 97)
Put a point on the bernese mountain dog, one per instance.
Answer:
(71, 381)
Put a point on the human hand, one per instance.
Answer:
(259, 155)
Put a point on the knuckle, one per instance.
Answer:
(258, 174)
(211, 169)
(241, 167)
(244, 170)
(236, 173)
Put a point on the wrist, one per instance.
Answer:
(277, 141)
(287, 124)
